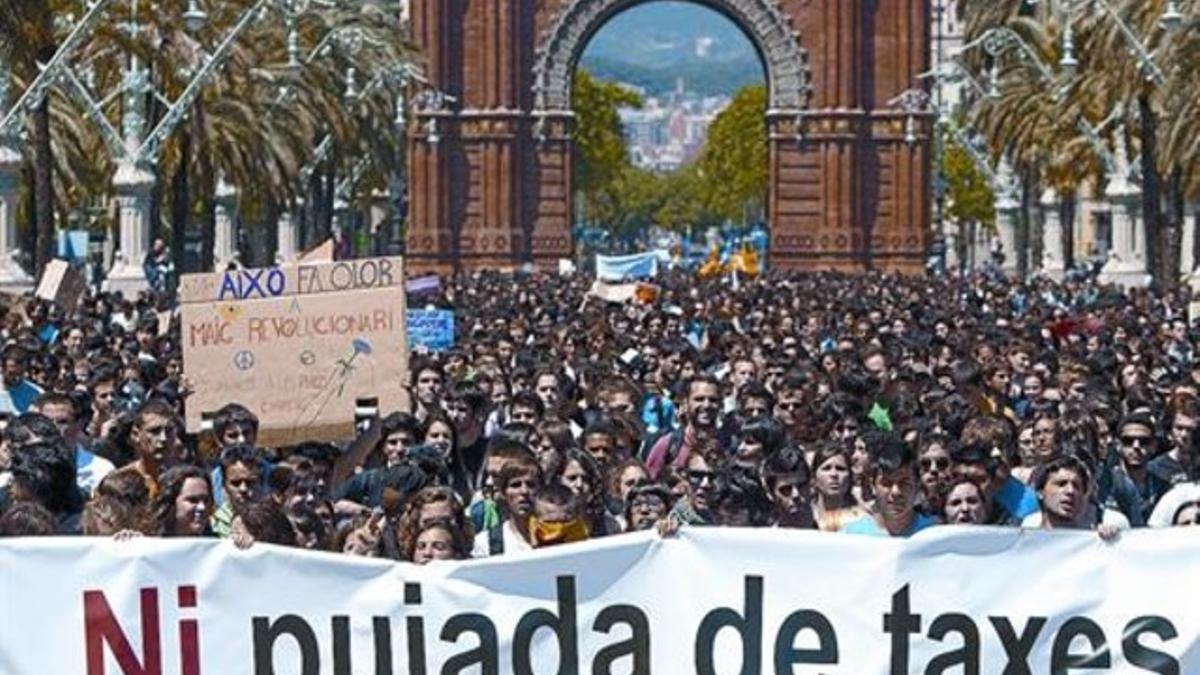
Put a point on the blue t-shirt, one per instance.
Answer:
(23, 395)
(867, 526)
(658, 413)
(1017, 499)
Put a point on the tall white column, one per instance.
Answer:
(1053, 260)
(12, 276)
(380, 218)
(1126, 264)
(286, 231)
(1187, 258)
(224, 236)
(133, 185)
(950, 236)
(1007, 209)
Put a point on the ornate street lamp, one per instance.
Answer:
(195, 17)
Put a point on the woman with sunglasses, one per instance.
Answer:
(834, 504)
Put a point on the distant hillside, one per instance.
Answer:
(652, 45)
(721, 77)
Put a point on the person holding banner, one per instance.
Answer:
(516, 483)
(241, 466)
(834, 504)
(894, 479)
(1064, 485)
(183, 506)
(965, 503)
(787, 477)
(439, 540)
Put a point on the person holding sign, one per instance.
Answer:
(894, 478)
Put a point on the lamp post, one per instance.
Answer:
(350, 41)
(135, 148)
(12, 275)
(916, 102)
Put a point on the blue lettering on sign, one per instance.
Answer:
(247, 284)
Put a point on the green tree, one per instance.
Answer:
(970, 200)
(601, 159)
(733, 167)
(28, 27)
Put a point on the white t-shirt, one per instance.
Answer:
(513, 542)
(1109, 517)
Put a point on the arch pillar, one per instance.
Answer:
(849, 175)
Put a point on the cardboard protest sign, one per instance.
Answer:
(432, 329)
(322, 252)
(61, 284)
(297, 345)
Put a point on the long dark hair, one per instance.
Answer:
(162, 508)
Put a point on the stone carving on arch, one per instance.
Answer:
(764, 22)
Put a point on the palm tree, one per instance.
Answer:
(28, 27)
(240, 127)
(1159, 122)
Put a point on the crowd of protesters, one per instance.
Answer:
(870, 405)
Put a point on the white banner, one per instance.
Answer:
(952, 600)
(625, 267)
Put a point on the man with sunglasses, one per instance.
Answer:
(788, 481)
(1137, 443)
(701, 476)
(789, 404)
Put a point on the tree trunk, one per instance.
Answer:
(206, 189)
(1195, 237)
(1152, 192)
(43, 175)
(181, 203)
(1026, 241)
(208, 217)
(1175, 218)
(154, 114)
(1066, 214)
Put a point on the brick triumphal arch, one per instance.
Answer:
(490, 171)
